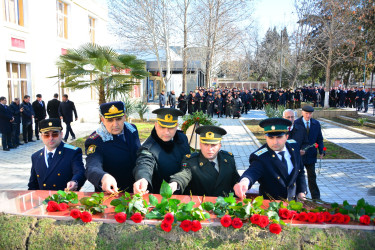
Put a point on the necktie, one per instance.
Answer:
(41, 104)
(283, 160)
(213, 165)
(307, 128)
(49, 159)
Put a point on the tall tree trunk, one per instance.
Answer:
(101, 94)
(184, 51)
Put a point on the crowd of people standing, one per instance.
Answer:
(25, 113)
(231, 103)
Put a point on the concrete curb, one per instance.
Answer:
(357, 130)
(252, 136)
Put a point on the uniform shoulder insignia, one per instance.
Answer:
(130, 127)
(228, 153)
(260, 152)
(91, 149)
(291, 141)
(189, 156)
(70, 146)
(94, 135)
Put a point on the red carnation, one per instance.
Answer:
(365, 219)
(327, 216)
(75, 213)
(263, 221)
(196, 226)
(86, 217)
(324, 149)
(284, 213)
(169, 218)
(255, 219)
(334, 218)
(186, 225)
(226, 221)
(120, 217)
(340, 218)
(275, 228)
(63, 206)
(52, 206)
(311, 217)
(346, 219)
(302, 216)
(136, 218)
(293, 215)
(316, 145)
(319, 217)
(166, 226)
(237, 223)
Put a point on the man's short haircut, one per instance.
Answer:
(39, 95)
(65, 95)
(2, 98)
(16, 99)
(55, 95)
(289, 110)
(26, 96)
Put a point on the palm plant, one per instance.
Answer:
(100, 67)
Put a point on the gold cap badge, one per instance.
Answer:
(50, 124)
(113, 110)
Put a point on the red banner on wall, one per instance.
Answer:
(18, 43)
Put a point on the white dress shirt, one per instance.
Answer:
(287, 157)
(46, 151)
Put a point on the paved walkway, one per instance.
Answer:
(339, 180)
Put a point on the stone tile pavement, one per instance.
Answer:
(338, 180)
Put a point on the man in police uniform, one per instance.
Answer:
(160, 155)
(111, 151)
(277, 165)
(212, 172)
(58, 165)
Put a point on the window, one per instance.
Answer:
(17, 80)
(92, 29)
(62, 19)
(14, 11)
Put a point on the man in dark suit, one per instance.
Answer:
(16, 112)
(277, 165)
(53, 107)
(161, 154)
(57, 165)
(365, 100)
(39, 108)
(27, 119)
(6, 120)
(66, 110)
(296, 132)
(314, 133)
(212, 172)
(112, 151)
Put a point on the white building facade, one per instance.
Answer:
(34, 33)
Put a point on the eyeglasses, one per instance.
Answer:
(288, 117)
(54, 134)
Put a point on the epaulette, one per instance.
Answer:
(195, 154)
(93, 136)
(226, 152)
(70, 146)
(291, 141)
(260, 152)
(130, 127)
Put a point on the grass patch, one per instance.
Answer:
(52, 234)
(334, 151)
(144, 131)
(14, 231)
